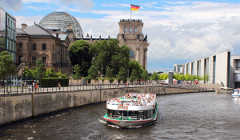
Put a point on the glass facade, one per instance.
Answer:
(8, 33)
(63, 22)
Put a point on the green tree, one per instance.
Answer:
(39, 71)
(7, 66)
(105, 54)
(77, 72)
(122, 74)
(134, 75)
(178, 76)
(109, 73)
(136, 70)
(92, 72)
(80, 54)
(145, 75)
(163, 76)
(27, 74)
(50, 73)
(154, 76)
(187, 77)
(120, 59)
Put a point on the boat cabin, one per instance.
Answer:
(134, 115)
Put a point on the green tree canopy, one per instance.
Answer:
(122, 74)
(163, 76)
(154, 76)
(93, 72)
(178, 76)
(145, 75)
(135, 70)
(40, 72)
(79, 53)
(7, 66)
(106, 59)
(77, 71)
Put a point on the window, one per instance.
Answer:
(34, 47)
(237, 61)
(44, 59)
(131, 54)
(43, 46)
(33, 59)
(136, 29)
(125, 29)
(20, 45)
(130, 30)
(19, 59)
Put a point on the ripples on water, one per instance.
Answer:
(203, 116)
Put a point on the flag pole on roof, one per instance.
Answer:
(133, 7)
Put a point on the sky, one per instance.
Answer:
(178, 31)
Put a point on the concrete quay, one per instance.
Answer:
(14, 108)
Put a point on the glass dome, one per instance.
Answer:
(61, 21)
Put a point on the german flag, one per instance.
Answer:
(134, 7)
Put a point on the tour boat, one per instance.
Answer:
(132, 110)
(236, 93)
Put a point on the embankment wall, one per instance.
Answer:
(14, 108)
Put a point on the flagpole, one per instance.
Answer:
(130, 10)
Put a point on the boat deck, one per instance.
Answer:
(133, 101)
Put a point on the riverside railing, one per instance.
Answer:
(17, 88)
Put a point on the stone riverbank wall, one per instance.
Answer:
(14, 108)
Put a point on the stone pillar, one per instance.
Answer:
(138, 55)
(145, 58)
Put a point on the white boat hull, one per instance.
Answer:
(236, 95)
(131, 124)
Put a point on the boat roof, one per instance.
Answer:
(133, 101)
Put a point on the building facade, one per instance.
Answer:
(214, 69)
(179, 68)
(8, 33)
(36, 43)
(48, 41)
(235, 71)
(130, 34)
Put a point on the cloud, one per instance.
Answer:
(27, 20)
(180, 32)
(183, 32)
(79, 5)
(37, 1)
(11, 4)
(84, 4)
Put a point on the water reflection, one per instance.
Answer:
(203, 116)
(236, 100)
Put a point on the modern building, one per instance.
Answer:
(235, 71)
(8, 33)
(215, 69)
(179, 68)
(37, 43)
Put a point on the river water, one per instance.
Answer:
(198, 116)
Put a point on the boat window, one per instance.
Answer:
(110, 113)
(132, 113)
(125, 113)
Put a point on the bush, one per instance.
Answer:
(163, 76)
(154, 76)
(53, 82)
